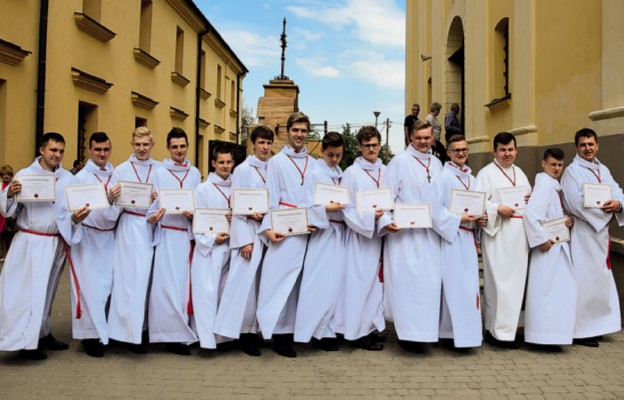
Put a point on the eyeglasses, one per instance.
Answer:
(459, 150)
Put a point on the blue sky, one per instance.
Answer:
(347, 56)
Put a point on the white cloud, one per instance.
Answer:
(309, 35)
(315, 67)
(378, 22)
(253, 49)
(383, 73)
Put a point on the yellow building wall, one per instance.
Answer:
(18, 84)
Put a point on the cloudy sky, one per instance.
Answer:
(347, 56)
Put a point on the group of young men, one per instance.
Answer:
(143, 276)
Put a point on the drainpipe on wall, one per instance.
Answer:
(239, 106)
(200, 38)
(41, 73)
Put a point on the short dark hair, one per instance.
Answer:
(295, 118)
(504, 138)
(51, 136)
(554, 152)
(366, 133)
(76, 163)
(455, 139)
(222, 149)
(98, 137)
(262, 132)
(585, 133)
(435, 106)
(176, 133)
(332, 139)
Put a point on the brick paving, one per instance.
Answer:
(487, 373)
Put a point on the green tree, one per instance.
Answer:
(385, 154)
(351, 151)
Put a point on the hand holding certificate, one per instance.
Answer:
(92, 196)
(467, 202)
(513, 196)
(250, 201)
(176, 201)
(375, 199)
(412, 215)
(290, 221)
(36, 188)
(325, 194)
(211, 220)
(135, 195)
(595, 195)
(557, 229)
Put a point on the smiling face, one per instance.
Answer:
(505, 154)
(458, 152)
(297, 135)
(553, 167)
(587, 148)
(142, 146)
(177, 149)
(262, 148)
(422, 139)
(223, 165)
(52, 155)
(332, 155)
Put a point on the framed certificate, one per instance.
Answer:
(290, 221)
(249, 201)
(375, 199)
(467, 202)
(513, 196)
(412, 215)
(91, 195)
(135, 195)
(210, 220)
(176, 201)
(325, 194)
(557, 230)
(595, 194)
(36, 188)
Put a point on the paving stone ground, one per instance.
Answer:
(487, 373)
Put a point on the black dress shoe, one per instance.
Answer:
(378, 337)
(492, 341)
(327, 344)
(179, 349)
(282, 345)
(588, 342)
(50, 343)
(33, 354)
(413, 347)
(285, 351)
(93, 347)
(138, 348)
(248, 343)
(367, 343)
(547, 348)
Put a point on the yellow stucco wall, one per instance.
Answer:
(114, 61)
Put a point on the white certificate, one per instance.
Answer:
(135, 195)
(249, 201)
(467, 202)
(36, 188)
(513, 196)
(595, 194)
(325, 194)
(91, 195)
(176, 201)
(290, 221)
(412, 215)
(557, 229)
(210, 220)
(376, 199)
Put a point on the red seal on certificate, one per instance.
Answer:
(331, 201)
(87, 205)
(290, 230)
(250, 208)
(210, 229)
(412, 222)
(374, 206)
(177, 208)
(597, 201)
(132, 202)
(515, 204)
(36, 196)
(557, 239)
(465, 210)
